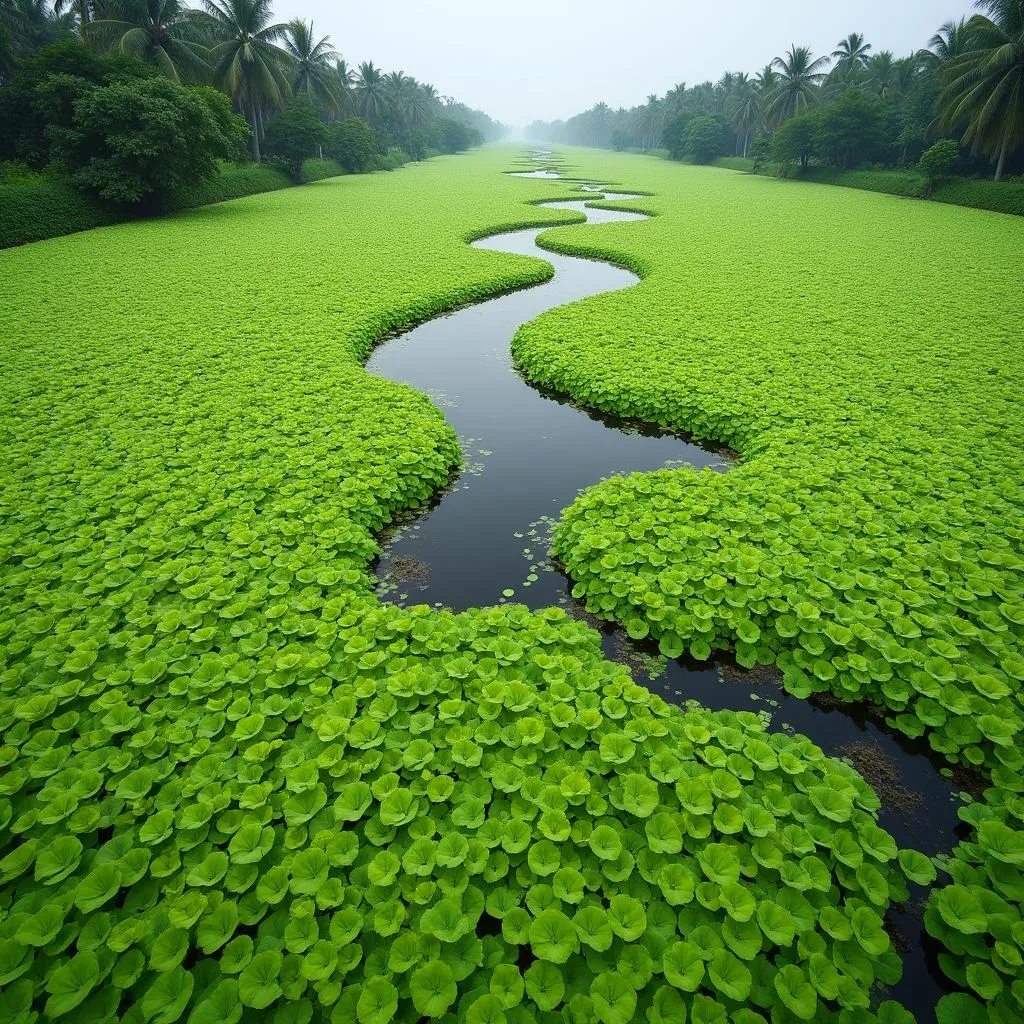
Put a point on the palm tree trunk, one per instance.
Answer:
(255, 135)
(746, 139)
(1002, 158)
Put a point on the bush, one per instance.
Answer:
(794, 142)
(998, 196)
(43, 207)
(138, 142)
(895, 183)
(354, 144)
(937, 161)
(295, 134)
(24, 112)
(704, 139)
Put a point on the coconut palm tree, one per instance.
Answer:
(675, 98)
(766, 79)
(851, 53)
(313, 73)
(82, 11)
(246, 60)
(882, 74)
(346, 83)
(984, 85)
(162, 32)
(371, 99)
(950, 41)
(800, 74)
(27, 25)
(742, 107)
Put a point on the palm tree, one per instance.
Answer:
(370, 96)
(742, 107)
(984, 85)
(312, 72)
(675, 98)
(851, 53)
(766, 79)
(882, 73)
(346, 82)
(800, 74)
(247, 62)
(82, 11)
(27, 25)
(950, 41)
(653, 121)
(163, 32)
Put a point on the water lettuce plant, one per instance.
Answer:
(233, 785)
(869, 543)
(405, 813)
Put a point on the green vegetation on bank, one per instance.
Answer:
(869, 542)
(999, 197)
(38, 206)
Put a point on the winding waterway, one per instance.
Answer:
(527, 454)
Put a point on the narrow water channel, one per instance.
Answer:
(527, 454)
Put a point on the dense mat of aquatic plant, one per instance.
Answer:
(365, 813)
(978, 916)
(870, 541)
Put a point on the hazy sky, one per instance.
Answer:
(520, 60)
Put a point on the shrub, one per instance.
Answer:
(354, 144)
(295, 134)
(998, 196)
(937, 161)
(139, 141)
(703, 139)
(794, 142)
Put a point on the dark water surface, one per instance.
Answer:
(527, 454)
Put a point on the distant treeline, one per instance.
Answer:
(854, 108)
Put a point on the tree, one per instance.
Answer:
(161, 32)
(800, 74)
(882, 73)
(936, 161)
(984, 85)
(454, 136)
(247, 62)
(952, 39)
(28, 112)
(794, 141)
(849, 131)
(743, 108)
(760, 150)
(620, 140)
(353, 143)
(851, 53)
(313, 73)
(138, 141)
(673, 135)
(704, 139)
(371, 100)
(27, 26)
(295, 134)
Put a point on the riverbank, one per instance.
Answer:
(47, 206)
(995, 196)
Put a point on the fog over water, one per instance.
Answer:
(547, 59)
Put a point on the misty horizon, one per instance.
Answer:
(553, 60)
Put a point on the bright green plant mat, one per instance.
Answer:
(199, 691)
(868, 370)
